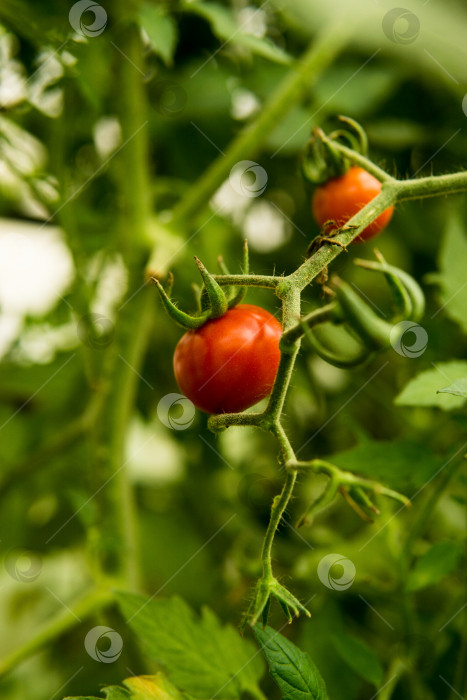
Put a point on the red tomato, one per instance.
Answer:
(231, 362)
(342, 197)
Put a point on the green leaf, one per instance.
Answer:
(424, 389)
(457, 388)
(359, 657)
(156, 687)
(439, 561)
(200, 655)
(225, 26)
(292, 669)
(398, 463)
(451, 278)
(161, 30)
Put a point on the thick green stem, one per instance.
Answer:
(135, 316)
(65, 621)
(132, 109)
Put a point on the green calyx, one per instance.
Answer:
(323, 159)
(212, 299)
(183, 319)
(239, 292)
(217, 299)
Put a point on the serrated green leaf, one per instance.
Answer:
(161, 30)
(439, 561)
(359, 657)
(457, 388)
(423, 390)
(292, 669)
(451, 277)
(225, 26)
(200, 655)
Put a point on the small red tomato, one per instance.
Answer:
(342, 197)
(231, 362)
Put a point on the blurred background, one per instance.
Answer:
(110, 116)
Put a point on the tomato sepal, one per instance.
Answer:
(217, 299)
(180, 317)
(241, 291)
(321, 160)
(267, 588)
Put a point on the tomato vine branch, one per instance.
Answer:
(355, 489)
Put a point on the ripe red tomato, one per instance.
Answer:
(231, 362)
(342, 197)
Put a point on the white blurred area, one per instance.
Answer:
(36, 271)
(36, 268)
(259, 221)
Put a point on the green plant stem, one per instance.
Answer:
(278, 508)
(420, 188)
(134, 322)
(249, 280)
(289, 289)
(359, 159)
(68, 619)
(134, 331)
(314, 318)
(132, 109)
